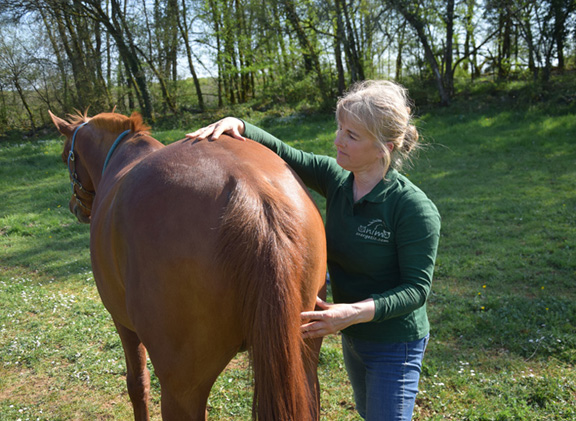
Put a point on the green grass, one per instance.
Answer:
(503, 312)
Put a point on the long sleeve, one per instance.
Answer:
(318, 172)
(418, 231)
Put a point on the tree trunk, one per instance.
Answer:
(338, 41)
(25, 103)
(418, 24)
(116, 25)
(219, 59)
(561, 10)
(60, 62)
(355, 65)
(311, 60)
(470, 51)
(401, 34)
(183, 26)
(505, 44)
(448, 54)
(161, 82)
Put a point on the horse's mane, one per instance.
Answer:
(112, 121)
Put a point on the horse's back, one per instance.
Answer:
(178, 195)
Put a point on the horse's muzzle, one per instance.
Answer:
(77, 212)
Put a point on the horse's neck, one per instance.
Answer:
(130, 152)
(125, 156)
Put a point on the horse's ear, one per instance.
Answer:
(62, 125)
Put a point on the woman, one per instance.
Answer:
(382, 237)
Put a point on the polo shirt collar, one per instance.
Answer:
(378, 193)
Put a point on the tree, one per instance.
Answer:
(411, 11)
(561, 10)
(159, 45)
(116, 24)
(79, 38)
(184, 28)
(307, 47)
(470, 51)
(130, 52)
(15, 60)
(348, 37)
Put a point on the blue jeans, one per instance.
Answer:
(384, 376)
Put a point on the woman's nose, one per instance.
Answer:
(338, 140)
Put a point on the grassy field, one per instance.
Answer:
(503, 312)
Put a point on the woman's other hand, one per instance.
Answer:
(229, 125)
(333, 318)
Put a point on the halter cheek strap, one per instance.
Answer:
(71, 160)
(74, 182)
(72, 164)
(71, 153)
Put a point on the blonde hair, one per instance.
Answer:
(383, 108)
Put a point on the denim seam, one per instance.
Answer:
(403, 384)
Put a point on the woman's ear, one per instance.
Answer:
(386, 149)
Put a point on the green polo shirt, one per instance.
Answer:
(382, 246)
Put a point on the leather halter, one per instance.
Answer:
(74, 182)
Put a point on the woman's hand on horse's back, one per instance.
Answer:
(230, 125)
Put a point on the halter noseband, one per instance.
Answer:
(74, 182)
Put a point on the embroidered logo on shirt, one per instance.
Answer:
(375, 231)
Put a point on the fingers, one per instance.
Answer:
(236, 135)
(313, 330)
(229, 125)
(221, 127)
(218, 130)
(315, 324)
(312, 315)
(203, 133)
(322, 304)
(318, 323)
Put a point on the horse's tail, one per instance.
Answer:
(261, 247)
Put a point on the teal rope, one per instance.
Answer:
(113, 148)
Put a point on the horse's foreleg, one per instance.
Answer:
(137, 374)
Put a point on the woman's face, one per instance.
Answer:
(357, 149)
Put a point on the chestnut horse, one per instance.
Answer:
(200, 250)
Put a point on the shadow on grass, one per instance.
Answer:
(37, 232)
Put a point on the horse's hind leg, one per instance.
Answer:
(311, 357)
(137, 374)
(195, 410)
(186, 383)
(181, 403)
